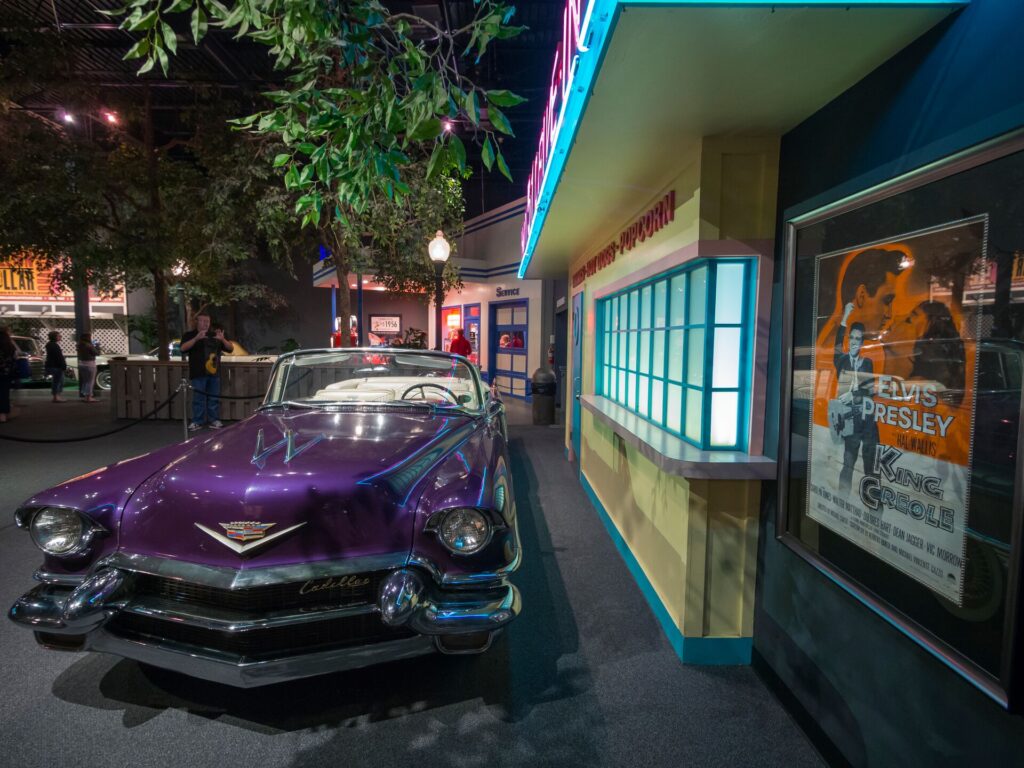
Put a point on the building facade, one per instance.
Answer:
(32, 304)
(502, 316)
(795, 255)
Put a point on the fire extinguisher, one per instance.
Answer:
(335, 339)
(551, 355)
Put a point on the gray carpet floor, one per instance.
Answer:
(585, 677)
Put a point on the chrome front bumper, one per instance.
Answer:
(79, 618)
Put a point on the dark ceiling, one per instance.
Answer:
(100, 80)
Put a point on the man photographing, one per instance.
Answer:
(204, 347)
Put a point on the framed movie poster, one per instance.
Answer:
(892, 416)
(388, 325)
(901, 425)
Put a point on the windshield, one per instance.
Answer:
(28, 346)
(374, 378)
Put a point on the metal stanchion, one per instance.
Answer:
(186, 403)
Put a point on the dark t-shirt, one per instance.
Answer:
(54, 355)
(86, 351)
(203, 356)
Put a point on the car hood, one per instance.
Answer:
(329, 485)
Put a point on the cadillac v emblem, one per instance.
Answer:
(247, 530)
(245, 536)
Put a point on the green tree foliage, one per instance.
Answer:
(365, 87)
(368, 92)
(388, 239)
(122, 210)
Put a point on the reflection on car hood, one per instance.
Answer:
(341, 487)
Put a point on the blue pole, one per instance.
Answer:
(334, 309)
(359, 307)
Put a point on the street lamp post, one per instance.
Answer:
(180, 272)
(438, 249)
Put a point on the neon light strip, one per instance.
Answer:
(576, 89)
(598, 22)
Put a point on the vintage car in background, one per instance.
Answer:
(364, 513)
(30, 351)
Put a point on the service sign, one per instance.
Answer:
(893, 400)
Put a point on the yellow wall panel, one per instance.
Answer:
(695, 540)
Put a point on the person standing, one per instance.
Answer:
(460, 344)
(86, 367)
(55, 366)
(8, 366)
(204, 347)
(855, 375)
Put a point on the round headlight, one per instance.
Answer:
(57, 530)
(464, 531)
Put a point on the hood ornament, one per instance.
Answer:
(246, 535)
(246, 530)
(259, 456)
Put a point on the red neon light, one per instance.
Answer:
(558, 92)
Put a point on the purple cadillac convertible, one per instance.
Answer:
(365, 513)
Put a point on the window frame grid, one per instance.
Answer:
(613, 336)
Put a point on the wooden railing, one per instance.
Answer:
(138, 386)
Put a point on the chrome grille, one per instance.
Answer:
(362, 629)
(259, 600)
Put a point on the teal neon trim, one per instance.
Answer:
(710, 297)
(799, 3)
(690, 650)
(600, 17)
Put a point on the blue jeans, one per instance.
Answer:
(205, 399)
(56, 380)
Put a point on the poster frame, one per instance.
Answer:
(1008, 688)
(385, 317)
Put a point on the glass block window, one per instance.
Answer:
(676, 350)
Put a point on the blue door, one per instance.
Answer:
(577, 377)
(471, 325)
(508, 348)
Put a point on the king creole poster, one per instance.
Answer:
(893, 399)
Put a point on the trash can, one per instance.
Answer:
(542, 388)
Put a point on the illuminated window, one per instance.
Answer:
(676, 351)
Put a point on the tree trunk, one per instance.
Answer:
(163, 341)
(159, 279)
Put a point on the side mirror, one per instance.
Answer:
(495, 407)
